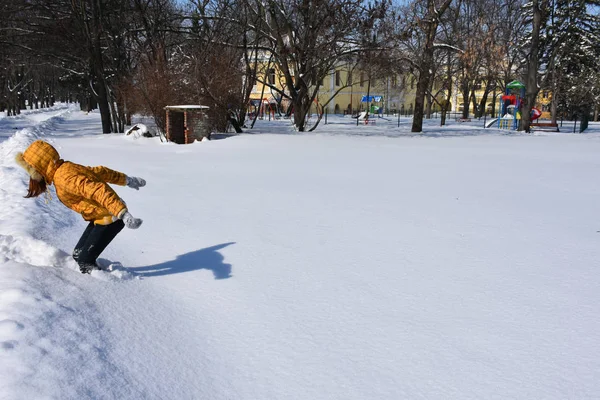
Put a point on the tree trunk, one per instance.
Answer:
(426, 64)
(101, 97)
(473, 99)
(448, 86)
(121, 112)
(554, 107)
(113, 113)
(368, 98)
(122, 115)
(301, 109)
(532, 67)
(98, 69)
(493, 114)
(554, 103)
(428, 106)
(235, 123)
(21, 97)
(466, 98)
(483, 102)
(417, 125)
(446, 105)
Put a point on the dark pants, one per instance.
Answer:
(93, 241)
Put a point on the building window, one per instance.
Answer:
(362, 79)
(338, 79)
(272, 76)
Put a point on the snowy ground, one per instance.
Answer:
(356, 262)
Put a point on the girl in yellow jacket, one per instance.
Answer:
(84, 190)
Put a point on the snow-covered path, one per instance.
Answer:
(317, 266)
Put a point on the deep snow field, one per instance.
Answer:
(354, 262)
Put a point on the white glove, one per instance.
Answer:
(135, 183)
(130, 221)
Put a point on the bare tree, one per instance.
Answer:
(308, 39)
(539, 10)
(219, 59)
(157, 66)
(427, 17)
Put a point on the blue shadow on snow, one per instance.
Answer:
(207, 258)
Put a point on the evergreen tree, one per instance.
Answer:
(573, 55)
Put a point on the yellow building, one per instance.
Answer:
(397, 93)
(394, 94)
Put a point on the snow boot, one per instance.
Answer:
(88, 268)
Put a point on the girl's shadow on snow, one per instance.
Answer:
(207, 258)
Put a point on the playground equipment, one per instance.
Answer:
(373, 108)
(511, 104)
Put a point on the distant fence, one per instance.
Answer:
(435, 113)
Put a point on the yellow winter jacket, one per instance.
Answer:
(82, 189)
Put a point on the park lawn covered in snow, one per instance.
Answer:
(356, 262)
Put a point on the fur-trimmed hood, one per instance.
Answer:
(40, 160)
